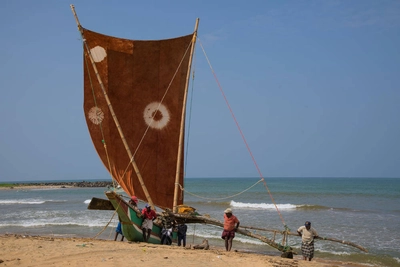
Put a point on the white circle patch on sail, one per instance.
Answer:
(98, 53)
(161, 118)
(96, 115)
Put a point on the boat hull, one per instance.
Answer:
(131, 221)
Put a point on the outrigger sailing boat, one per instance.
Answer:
(134, 102)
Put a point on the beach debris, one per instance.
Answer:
(88, 244)
(287, 255)
(204, 245)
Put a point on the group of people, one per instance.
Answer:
(231, 225)
(307, 233)
(149, 215)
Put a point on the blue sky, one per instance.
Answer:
(314, 85)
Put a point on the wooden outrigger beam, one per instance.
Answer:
(243, 230)
(102, 204)
(340, 241)
(319, 238)
(207, 220)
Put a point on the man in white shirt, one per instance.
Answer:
(308, 234)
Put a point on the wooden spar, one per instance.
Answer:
(342, 242)
(148, 197)
(243, 230)
(319, 238)
(182, 129)
(189, 218)
(206, 220)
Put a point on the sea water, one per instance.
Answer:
(365, 211)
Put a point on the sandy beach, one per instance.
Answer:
(22, 250)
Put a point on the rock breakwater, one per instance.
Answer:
(68, 184)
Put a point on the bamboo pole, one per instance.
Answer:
(182, 128)
(187, 218)
(343, 242)
(148, 197)
(319, 238)
(243, 230)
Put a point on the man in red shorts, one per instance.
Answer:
(231, 224)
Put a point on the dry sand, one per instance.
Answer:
(20, 250)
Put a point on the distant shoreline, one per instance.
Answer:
(54, 185)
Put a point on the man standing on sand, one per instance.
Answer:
(231, 224)
(149, 216)
(308, 234)
(182, 229)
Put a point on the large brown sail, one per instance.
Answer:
(136, 76)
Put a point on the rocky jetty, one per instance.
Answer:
(68, 184)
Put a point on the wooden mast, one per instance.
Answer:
(182, 129)
(148, 197)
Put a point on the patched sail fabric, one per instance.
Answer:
(136, 76)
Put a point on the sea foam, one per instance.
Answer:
(262, 205)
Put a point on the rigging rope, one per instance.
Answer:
(190, 114)
(241, 133)
(105, 227)
(183, 189)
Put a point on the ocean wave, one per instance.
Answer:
(216, 234)
(288, 206)
(319, 207)
(261, 205)
(15, 201)
(341, 253)
(28, 201)
(37, 223)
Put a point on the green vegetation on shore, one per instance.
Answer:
(7, 185)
